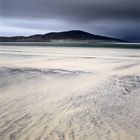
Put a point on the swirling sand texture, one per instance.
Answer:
(54, 93)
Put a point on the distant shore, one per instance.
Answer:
(76, 44)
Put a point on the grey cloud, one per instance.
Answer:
(83, 10)
(111, 17)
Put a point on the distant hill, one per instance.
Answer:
(74, 35)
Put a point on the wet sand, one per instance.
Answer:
(54, 93)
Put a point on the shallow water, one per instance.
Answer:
(57, 93)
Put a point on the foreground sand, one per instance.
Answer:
(69, 93)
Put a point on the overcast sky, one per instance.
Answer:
(116, 18)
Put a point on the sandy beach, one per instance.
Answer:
(67, 93)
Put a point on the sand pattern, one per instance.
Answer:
(69, 93)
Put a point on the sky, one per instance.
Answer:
(114, 18)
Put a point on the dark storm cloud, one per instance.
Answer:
(83, 10)
(91, 15)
